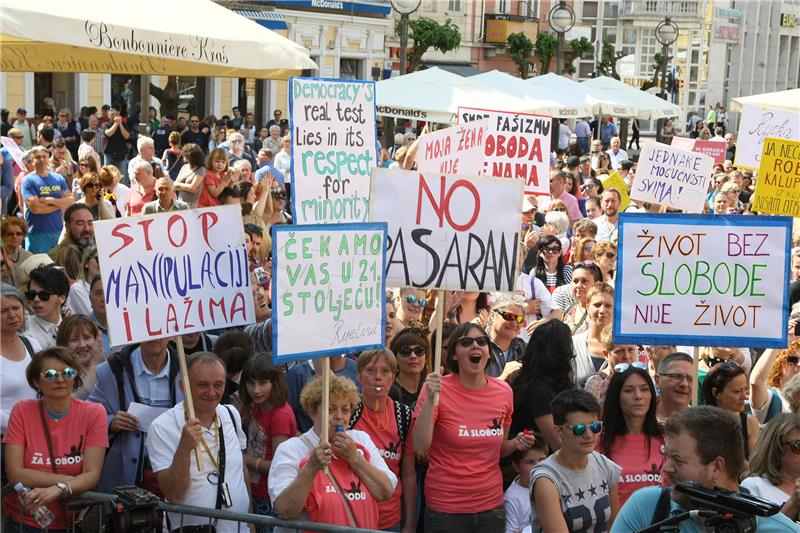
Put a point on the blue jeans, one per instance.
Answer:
(491, 521)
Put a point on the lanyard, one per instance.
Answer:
(216, 436)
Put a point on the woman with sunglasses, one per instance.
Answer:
(13, 231)
(464, 437)
(588, 345)
(605, 257)
(725, 387)
(93, 197)
(775, 464)
(506, 348)
(550, 267)
(277, 209)
(412, 303)
(576, 488)
(54, 446)
(770, 374)
(411, 346)
(573, 299)
(80, 335)
(631, 435)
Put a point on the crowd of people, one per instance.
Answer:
(537, 420)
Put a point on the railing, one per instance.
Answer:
(663, 8)
(528, 9)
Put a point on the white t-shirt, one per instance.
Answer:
(542, 294)
(283, 162)
(286, 464)
(13, 384)
(762, 488)
(78, 299)
(162, 442)
(518, 507)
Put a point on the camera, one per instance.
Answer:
(139, 509)
(735, 511)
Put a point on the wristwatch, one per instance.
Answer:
(64, 489)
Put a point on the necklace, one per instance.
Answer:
(14, 259)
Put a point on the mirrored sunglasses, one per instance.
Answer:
(580, 429)
(412, 300)
(52, 375)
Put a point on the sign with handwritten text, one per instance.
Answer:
(174, 273)
(757, 124)
(671, 177)
(702, 280)
(454, 150)
(778, 185)
(517, 146)
(328, 290)
(334, 149)
(449, 232)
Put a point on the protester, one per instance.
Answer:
(78, 300)
(558, 192)
(469, 401)
(78, 234)
(550, 267)
(142, 191)
(190, 180)
(615, 355)
(412, 304)
(80, 336)
(605, 256)
(608, 221)
(770, 374)
(506, 348)
(412, 348)
(388, 424)
(116, 152)
(631, 435)
(92, 197)
(674, 381)
(172, 157)
(302, 373)
(576, 488)
(725, 387)
(466, 306)
(45, 194)
(13, 231)
(517, 497)
(588, 345)
(221, 480)
(97, 298)
(115, 192)
(166, 202)
(308, 476)
(702, 444)
(47, 291)
(217, 177)
(573, 299)
(55, 445)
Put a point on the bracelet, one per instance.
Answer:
(258, 462)
(69, 489)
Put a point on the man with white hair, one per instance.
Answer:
(273, 142)
(147, 151)
(616, 154)
(236, 150)
(245, 170)
(165, 191)
(143, 188)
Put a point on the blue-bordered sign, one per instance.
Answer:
(702, 280)
(328, 290)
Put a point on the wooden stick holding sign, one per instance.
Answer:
(437, 354)
(187, 394)
(326, 398)
(695, 374)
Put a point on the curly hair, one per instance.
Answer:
(776, 370)
(339, 387)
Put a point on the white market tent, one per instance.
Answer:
(642, 104)
(148, 37)
(567, 92)
(435, 95)
(541, 99)
(785, 100)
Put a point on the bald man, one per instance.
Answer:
(165, 202)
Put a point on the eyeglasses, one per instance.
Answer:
(580, 429)
(466, 342)
(407, 351)
(624, 367)
(511, 317)
(236, 141)
(43, 295)
(14, 234)
(794, 446)
(411, 299)
(679, 377)
(52, 375)
(551, 251)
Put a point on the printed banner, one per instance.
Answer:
(702, 280)
(682, 143)
(615, 181)
(328, 290)
(449, 232)
(517, 146)
(334, 149)
(454, 150)
(757, 124)
(174, 273)
(778, 184)
(671, 177)
(714, 149)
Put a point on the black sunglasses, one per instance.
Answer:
(466, 342)
(406, 351)
(43, 295)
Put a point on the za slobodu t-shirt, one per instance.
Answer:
(382, 429)
(50, 186)
(264, 425)
(84, 426)
(469, 427)
(641, 467)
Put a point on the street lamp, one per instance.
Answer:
(562, 18)
(666, 34)
(404, 8)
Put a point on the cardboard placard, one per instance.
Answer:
(778, 184)
(713, 149)
(454, 150)
(616, 182)
(671, 177)
(757, 124)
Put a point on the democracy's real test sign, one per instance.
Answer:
(329, 290)
(778, 184)
(672, 178)
(174, 273)
(702, 280)
(449, 232)
(334, 149)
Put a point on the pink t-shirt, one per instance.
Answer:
(84, 426)
(571, 203)
(136, 201)
(264, 425)
(640, 467)
(382, 429)
(469, 427)
(206, 198)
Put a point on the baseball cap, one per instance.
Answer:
(573, 161)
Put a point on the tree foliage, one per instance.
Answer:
(577, 48)
(608, 61)
(658, 64)
(520, 48)
(545, 48)
(427, 33)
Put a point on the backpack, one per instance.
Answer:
(402, 415)
(663, 505)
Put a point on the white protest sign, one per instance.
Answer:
(757, 124)
(671, 177)
(449, 232)
(334, 149)
(13, 150)
(454, 150)
(517, 146)
(174, 273)
(329, 290)
(682, 143)
(702, 280)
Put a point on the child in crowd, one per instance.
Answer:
(517, 497)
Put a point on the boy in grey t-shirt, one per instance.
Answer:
(575, 489)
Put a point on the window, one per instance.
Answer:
(590, 10)
(350, 69)
(454, 5)
(502, 6)
(610, 10)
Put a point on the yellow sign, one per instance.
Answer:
(778, 182)
(615, 181)
(788, 20)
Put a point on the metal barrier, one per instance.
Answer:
(114, 504)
